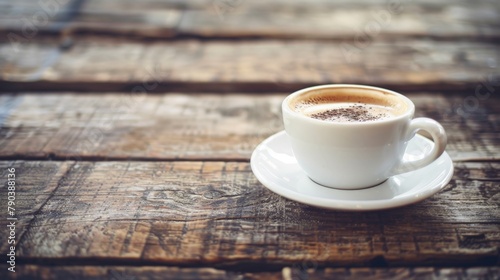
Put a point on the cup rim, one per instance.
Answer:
(408, 114)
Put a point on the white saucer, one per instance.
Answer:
(275, 166)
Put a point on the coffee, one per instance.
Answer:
(338, 132)
(348, 105)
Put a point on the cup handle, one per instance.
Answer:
(438, 136)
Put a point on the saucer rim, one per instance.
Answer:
(348, 205)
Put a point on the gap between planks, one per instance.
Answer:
(241, 265)
(85, 87)
(298, 271)
(119, 159)
(149, 159)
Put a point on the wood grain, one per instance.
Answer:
(252, 66)
(26, 20)
(358, 21)
(120, 183)
(177, 126)
(218, 214)
(299, 272)
(351, 21)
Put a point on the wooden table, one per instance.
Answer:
(130, 125)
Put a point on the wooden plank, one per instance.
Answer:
(10, 7)
(25, 20)
(177, 126)
(184, 127)
(287, 273)
(137, 273)
(335, 20)
(251, 66)
(349, 22)
(27, 62)
(156, 23)
(26, 7)
(218, 214)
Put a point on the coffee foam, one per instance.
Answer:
(381, 100)
(349, 112)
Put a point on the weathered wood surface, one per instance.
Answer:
(200, 127)
(354, 21)
(128, 185)
(217, 214)
(477, 20)
(298, 272)
(91, 64)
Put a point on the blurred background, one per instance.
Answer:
(242, 45)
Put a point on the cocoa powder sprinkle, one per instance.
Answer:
(353, 113)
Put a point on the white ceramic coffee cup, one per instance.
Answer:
(354, 155)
